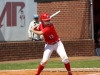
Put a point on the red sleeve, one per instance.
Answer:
(46, 30)
(39, 28)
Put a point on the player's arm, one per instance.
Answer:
(35, 30)
(29, 31)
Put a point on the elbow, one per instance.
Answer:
(40, 33)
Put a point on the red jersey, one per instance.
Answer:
(49, 33)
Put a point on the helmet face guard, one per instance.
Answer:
(46, 22)
(44, 17)
(48, 19)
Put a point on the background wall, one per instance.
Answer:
(72, 25)
(15, 17)
(34, 50)
(73, 22)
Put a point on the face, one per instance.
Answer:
(48, 22)
(36, 19)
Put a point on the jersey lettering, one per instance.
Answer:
(51, 36)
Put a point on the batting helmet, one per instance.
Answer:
(44, 17)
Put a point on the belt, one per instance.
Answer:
(53, 42)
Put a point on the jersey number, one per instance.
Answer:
(51, 36)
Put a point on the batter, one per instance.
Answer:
(52, 42)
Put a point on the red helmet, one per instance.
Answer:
(44, 17)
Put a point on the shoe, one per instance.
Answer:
(69, 73)
(36, 39)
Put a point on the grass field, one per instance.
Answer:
(83, 62)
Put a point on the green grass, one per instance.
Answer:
(15, 66)
(50, 64)
(86, 64)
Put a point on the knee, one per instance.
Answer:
(65, 60)
(44, 62)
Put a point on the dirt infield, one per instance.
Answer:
(54, 71)
(58, 58)
(59, 71)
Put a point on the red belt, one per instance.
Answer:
(53, 42)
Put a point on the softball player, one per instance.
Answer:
(52, 42)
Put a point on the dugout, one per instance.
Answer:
(97, 26)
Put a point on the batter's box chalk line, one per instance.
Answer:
(94, 74)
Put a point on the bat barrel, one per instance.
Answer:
(55, 14)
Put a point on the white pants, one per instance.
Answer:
(59, 48)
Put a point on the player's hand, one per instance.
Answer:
(34, 28)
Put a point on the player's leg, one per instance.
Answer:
(61, 52)
(47, 53)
